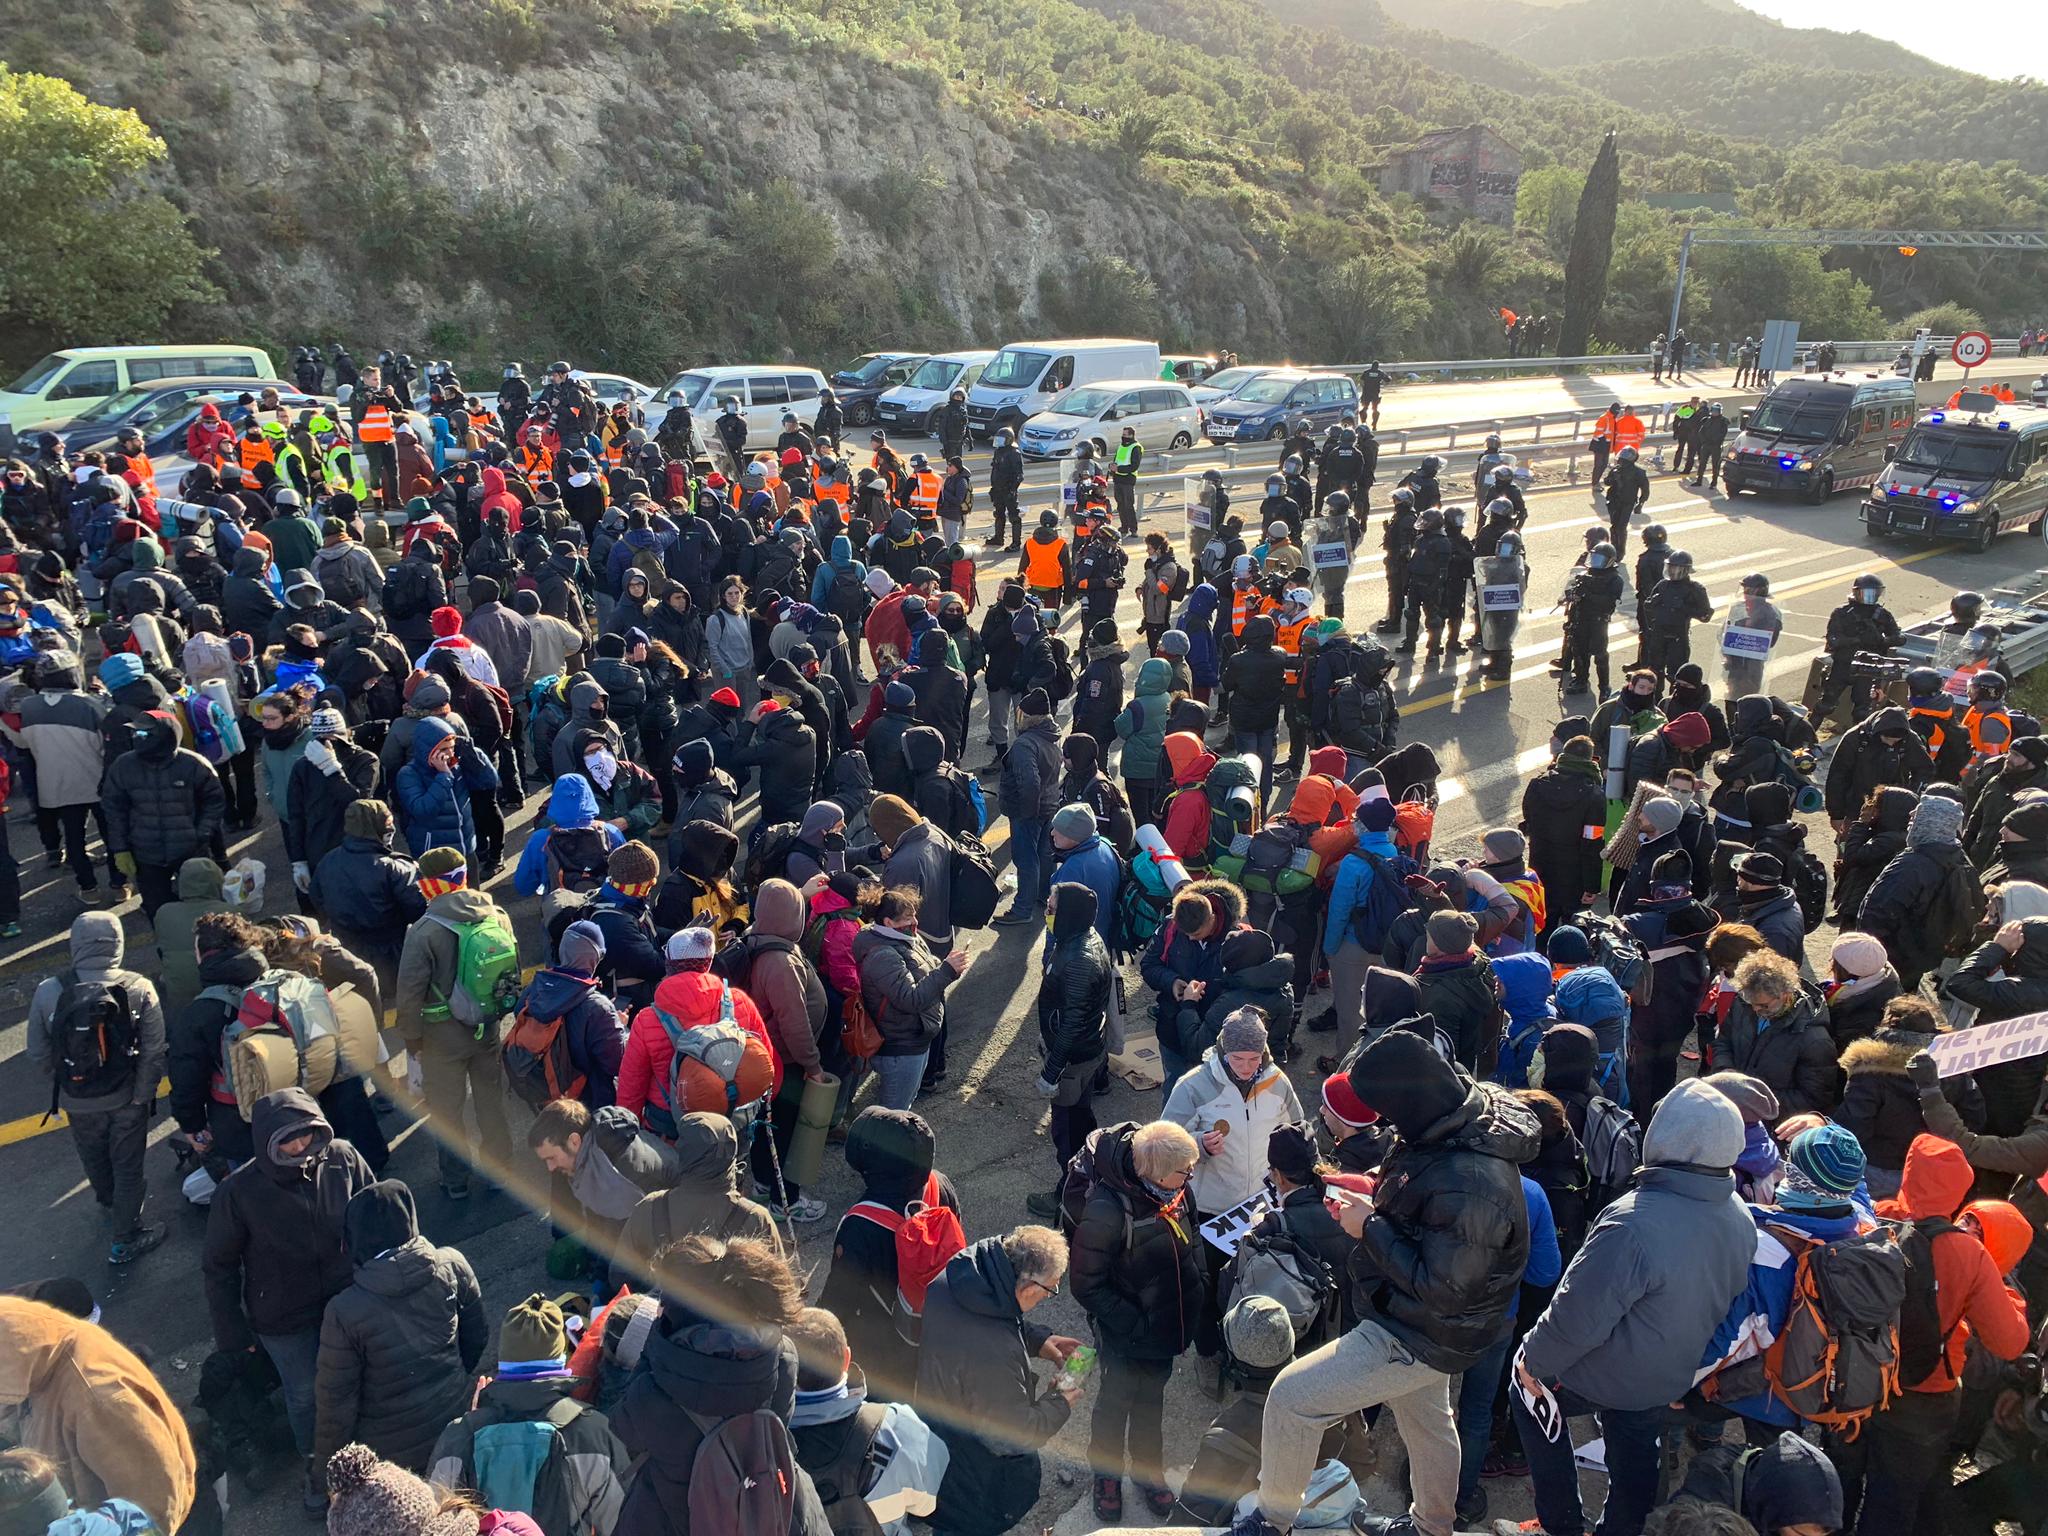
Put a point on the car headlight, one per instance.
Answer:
(1066, 435)
(1806, 464)
(1008, 399)
(1967, 509)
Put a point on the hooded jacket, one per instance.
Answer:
(786, 751)
(1187, 811)
(784, 984)
(1997, 794)
(595, 1034)
(97, 948)
(1864, 761)
(1030, 783)
(586, 698)
(1136, 1269)
(941, 690)
(1142, 725)
(1459, 991)
(1866, 848)
(689, 998)
(1564, 816)
(398, 1346)
(435, 804)
(275, 1237)
(1923, 900)
(199, 888)
(1251, 973)
(1775, 1487)
(704, 1198)
(587, 1494)
(73, 1392)
(163, 802)
(1074, 993)
(247, 604)
(572, 804)
(976, 1388)
(61, 729)
(427, 965)
(1880, 1103)
(1970, 1294)
(1208, 1096)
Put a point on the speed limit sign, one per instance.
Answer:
(1971, 348)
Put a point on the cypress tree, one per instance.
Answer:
(1585, 269)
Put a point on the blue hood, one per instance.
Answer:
(427, 735)
(572, 804)
(1202, 603)
(842, 552)
(553, 992)
(1590, 996)
(1524, 987)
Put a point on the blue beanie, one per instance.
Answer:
(1828, 1161)
(1376, 814)
(1568, 946)
(120, 669)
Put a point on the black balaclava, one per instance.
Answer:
(1401, 1075)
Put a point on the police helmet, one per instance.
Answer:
(1987, 685)
(1454, 517)
(958, 394)
(1678, 560)
(559, 365)
(1500, 506)
(1003, 438)
(1293, 464)
(1965, 606)
(1510, 546)
(1600, 556)
(1868, 580)
(1301, 426)
(511, 370)
(1503, 473)
(919, 461)
(1627, 455)
(1493, 442)
(1757, 582)
(385, 359)
(1431, 463)
(1655, 534)
(1084, 449)
(1983, 639)
(1213, 476)
(1925, 682)
(1048, 519)
(1338, 503)
(1404, 495)
(1432, 520)
(1275, 486)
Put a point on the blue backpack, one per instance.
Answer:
(521, 1465)
(1386, 898)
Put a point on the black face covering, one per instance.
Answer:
(282, 736)
(835, 842)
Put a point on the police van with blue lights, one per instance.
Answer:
(1813, 437)
(1971, 471)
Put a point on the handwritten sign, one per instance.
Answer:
(1752, 643)
(1225, 1232)
(1506, 599)
(1326, 557)
(1972, 1050)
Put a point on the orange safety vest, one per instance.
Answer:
(1290, 641)
(376, 426)
(535, 463)
(1628, 432)
(1990, 729)
(483, 423)
(840, 492)
(1604, 427)
(924, 492)
(1042, 564)
(1241, 599)
(255, 450)
(144, 471)
(1943, 719)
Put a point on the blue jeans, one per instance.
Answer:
(297, 1358)
(1265, 743)
(1634, 1450)
(1173, 1065)
(1027, 851)
(1477, 1389)
(897, 1079)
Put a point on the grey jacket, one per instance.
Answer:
(619, 1165)
(903, 981)
(507, 638)
(729, 643)
(60, 729)
(923, 860)
(426, 965)
(1646, 1290)
(97, 950)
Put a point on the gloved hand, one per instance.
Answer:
(125, 862)
(302, 876)
(1046, 1089)
(1925, 1072)
(321, 756)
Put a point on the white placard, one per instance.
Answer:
(1506, 599)
(1196, 499)
(1325, 557)
(1225, 1232)
(1739, 641)
(1987, 1045)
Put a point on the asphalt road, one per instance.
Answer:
(990, 1122)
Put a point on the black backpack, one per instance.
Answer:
(839, 1481)
(769, 856)
(406, 589)
(1923, 1344)
(848, 599)
(576, 858)
(96, 1044)
(1810, 887)
(974, 893)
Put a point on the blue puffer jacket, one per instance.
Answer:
(1525, 994)
(1198, 622)
(435, 805)
(571, 804)
(1095, 865)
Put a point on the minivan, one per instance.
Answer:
(1267, 408)
(1818, 436)
(66, 383)
(1021, 379)
(1968, 472)
(764, 392)
(914, 405)
(1163, 415)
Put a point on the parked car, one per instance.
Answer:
(146, 407)
(764, 391)
(1165, 417)
(914, 405)
(1265, 408)
(1185, 367)
(1221, 386)
(1969, 472)
(616, 386)
(1022, 379)
(66, 383)
(861, 383)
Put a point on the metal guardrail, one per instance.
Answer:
(2019, 609)
(1715, 354)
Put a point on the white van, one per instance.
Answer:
(764, 392)
(66, 383)
(914, 405)
(1163, 415)
(1021, 380)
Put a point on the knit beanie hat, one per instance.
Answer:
(1858, 954)
(1036, 703)
(1829, 1160)
(891, 816)
(446, 621)
(1571, 1054)
(2027, 821)
(628, 1322)
(446, 864)
(1258, 1333)
(1694, 1124)
(1375, 813)
(695, 943)
(1075, 822)
(1291, 1149)
(369, 1497)
(427, 692)
(482, 590)
(1568, 946)
(1503, 844)
(582, 947)
(1342, 1103)
(1173, 643)
(325, 723)
(1244, 1030)
(533, 1334)
(1661, 814)
(1936, 819)
(1689, 732)
(633, 867)
(2033, 748)
(1450, 932)
(1751, 1096)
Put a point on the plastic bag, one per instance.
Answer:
(242, 888)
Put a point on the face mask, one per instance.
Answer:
(835, 842)
(602, 768)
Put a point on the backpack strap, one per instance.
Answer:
(874, 1211)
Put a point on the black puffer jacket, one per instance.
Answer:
(1795, 1056)
(1866, 848)
(1564, 817)
(1137, 1270)
(786, 752)
(625, 687)
(1903, 900)
(368, 891)
(274, 1250)
(1997, 795)
(399, 1346)
(1465, 999)
(318, 800)
(1073, 995)
(163, 803)
(1255, 677)
(246, 601)
(941, 692)
(1863, 761)
(1443, 1252)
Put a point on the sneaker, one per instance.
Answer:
(1323, 1023)
(1159, 1501)
(313, 1493)
(804, 1210)
(1472, 1510)
(10, 930)
(1384, 1525)
(455, 1191)
(1046, 1207)
(1518, 1528)
(1494, 1465)
(1109, 1499)
(142, 1240)
(1013, 918)
(1252, 1523)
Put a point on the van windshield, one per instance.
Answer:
(1082, 402)
(1968, 456)
(37, 379)
(690, 386)
(934, 373)
(1801, 420)
(1265, 391)
(1015, 370)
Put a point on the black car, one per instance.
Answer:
(861, 382)
(151, 407)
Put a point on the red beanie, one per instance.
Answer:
(1689, 731)
(767, 707)
(447, 621)
(726, 696)
(1344, 1104)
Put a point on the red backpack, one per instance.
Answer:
(927, 1236)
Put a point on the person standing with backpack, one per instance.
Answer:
(690, 999)
(163, 804)
(1074, 1002)
(97, 1031)
(1954, 1295)
(1623, 1336)
(1367, 893)
(527, 1445)
(458, 977)
(904, 982)
(790, 995)
(1925, 903)
(572, 847)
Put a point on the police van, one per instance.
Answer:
(1813, 437)
(1972, 470)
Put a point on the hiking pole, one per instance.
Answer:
(763, 1125)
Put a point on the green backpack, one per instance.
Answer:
(486, 973)
(1233, 791)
